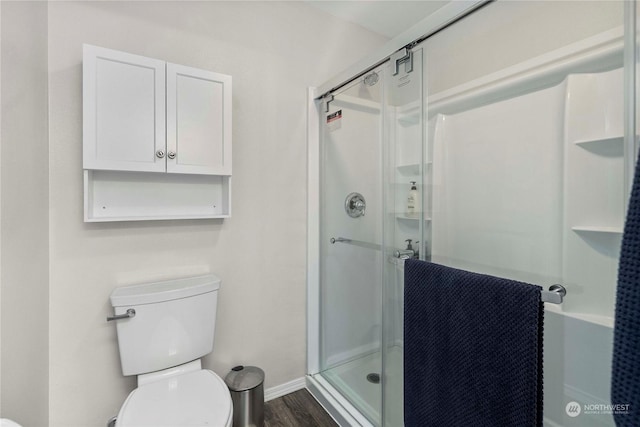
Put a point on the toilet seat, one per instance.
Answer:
(198, 398)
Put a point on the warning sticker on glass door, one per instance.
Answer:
(334, 120)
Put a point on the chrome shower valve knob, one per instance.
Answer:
(355, 205)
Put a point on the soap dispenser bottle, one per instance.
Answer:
(412, 200)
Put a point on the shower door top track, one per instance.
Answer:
(427, 27)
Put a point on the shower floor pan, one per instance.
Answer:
(351, 379)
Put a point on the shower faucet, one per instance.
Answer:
(355, 205)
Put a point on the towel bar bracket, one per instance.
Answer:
(554, 295)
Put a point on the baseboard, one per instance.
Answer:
(282, 389)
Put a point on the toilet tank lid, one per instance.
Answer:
(149, 293)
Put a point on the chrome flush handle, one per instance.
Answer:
(130, 313)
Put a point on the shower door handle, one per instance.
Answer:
(404, 253)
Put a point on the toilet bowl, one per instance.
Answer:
(164, 328)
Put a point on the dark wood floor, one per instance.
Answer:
(298, 409)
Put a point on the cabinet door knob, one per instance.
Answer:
(171, 155)
(159, 154)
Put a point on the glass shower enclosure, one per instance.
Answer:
(516, 145)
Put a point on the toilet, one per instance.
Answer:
(164, 328)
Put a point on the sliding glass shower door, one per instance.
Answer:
(372, 214)
(350, 243)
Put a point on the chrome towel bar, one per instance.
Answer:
(397, 253)
(554, 295)
(360, 243)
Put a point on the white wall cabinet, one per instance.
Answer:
(169, 122)
(123, 111)
(198, 125)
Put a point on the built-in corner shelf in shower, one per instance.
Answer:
(593, 190)
(410, 217)
(604, 141)
(597, 229)
(411, 169)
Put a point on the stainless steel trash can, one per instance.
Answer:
(246, 384)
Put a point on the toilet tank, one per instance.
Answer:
(174, 322)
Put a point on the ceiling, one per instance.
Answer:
(388, 18)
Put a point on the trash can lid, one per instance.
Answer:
(243, 378)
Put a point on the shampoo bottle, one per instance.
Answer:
(412, 200)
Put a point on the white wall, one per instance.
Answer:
(273, 50)
(24, 212)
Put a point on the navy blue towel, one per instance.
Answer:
(625, 378)
(472, 349)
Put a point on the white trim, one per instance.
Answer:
(313, 233)
(336, 406)
(435, 21)
(283, 389)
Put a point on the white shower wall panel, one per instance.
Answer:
(530, 188)
(497, 205)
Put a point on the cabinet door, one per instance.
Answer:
(198, 121)
(124, 111)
